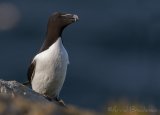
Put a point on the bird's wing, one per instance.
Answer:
(31, 71)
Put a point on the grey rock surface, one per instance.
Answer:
(14, 88)
(17, 99)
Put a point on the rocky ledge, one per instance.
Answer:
(17, 99)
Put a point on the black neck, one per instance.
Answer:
(51, 37)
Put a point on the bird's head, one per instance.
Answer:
(61, 20)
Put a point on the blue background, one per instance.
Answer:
(113, 49)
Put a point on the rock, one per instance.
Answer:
(14, 88)
(17, 99)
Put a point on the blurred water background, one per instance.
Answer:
(113, 49)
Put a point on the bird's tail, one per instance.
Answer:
(27, 83)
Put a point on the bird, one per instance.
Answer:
(47, 71)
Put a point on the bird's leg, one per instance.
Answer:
(60, 101)
(56, 98)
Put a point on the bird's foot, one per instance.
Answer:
(60, 101)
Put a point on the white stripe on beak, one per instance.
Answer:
(66, 15)
(74, 16)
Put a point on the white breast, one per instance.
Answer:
(50, 71)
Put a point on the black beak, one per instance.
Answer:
(73, 17)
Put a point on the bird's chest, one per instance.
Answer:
(52, 61)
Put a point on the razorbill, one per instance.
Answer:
(47, 70)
